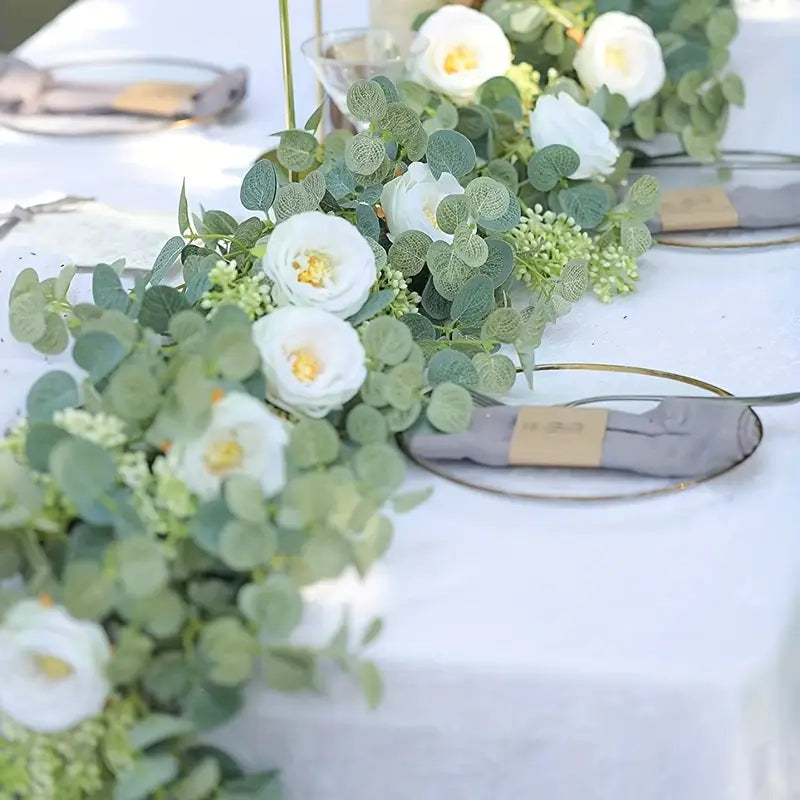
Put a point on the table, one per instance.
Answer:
(628, 651)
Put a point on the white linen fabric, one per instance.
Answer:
(629, 651)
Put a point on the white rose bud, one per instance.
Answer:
(313, 361)
(243, 437)
(463, 49)
(53, 667)
(410, 201)
(560, 119)
(320, 261)
(621, 52)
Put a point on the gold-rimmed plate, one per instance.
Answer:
(555, 384)
(771, 171)
(116, 71)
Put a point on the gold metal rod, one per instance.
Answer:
(288, 75)
(318, 26)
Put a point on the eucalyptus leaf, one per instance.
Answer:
(450, 151)
(52, 392)
(450, 408)
(259, 186)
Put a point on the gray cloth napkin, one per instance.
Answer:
(26, 90)
(759, 208)
(677, 439)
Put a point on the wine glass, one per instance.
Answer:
(340, 58)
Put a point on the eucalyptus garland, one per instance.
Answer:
(225, 437)
(695, 90)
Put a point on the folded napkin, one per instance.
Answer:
(26, 90)
(677, 439)
(716, 208)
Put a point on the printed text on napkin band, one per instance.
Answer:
(703, 208)
(558, 437)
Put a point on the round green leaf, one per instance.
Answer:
(366, 101)
(401, 122)
(387, 340)
(245, 498)
(644, 195)
(499, 262)
(83, 470)
(586, 203)
(99, 353)
(574, 279)
(503, 324)
(26, 316)
(313, 442)
(380, 467)
(55, 338)
(450, 151)
(52, 392)
(133, 392)
(451, 212)
(87, 592)
(450, 366)
(469, 247)
(450, 408)
(497, 373)
(550, 164)
(420, 327)
(366, 424)
(364, 154)
(409, 251)
(635, 238)
(275, 605)
(297, 150)
(292, 198)
(259, 186)
(326, 556)
(245, 545)
(473, 301)
(487, 198)
(142, 566)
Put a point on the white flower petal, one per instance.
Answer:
(314, 362)
(560, 119)
(463, 49)
(320, 261)
(44, 702)
(621, 52)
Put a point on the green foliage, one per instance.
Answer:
(450, 151)
(548, 165)
(450, 409)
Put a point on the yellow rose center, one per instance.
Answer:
(52, 667)
(305, 365)
(431, 215)
(222, 456)
(616, 58)
(460, 59)
(313, 268)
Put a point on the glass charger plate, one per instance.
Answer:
(760, 170)
(556, 384)
(121, 70)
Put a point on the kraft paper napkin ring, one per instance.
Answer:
(550, 436)
(672, 488)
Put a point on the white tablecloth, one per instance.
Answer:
(629, 651)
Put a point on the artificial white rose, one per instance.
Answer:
(314, 362)
(461, 49)
(243, 437)
(560, 119)
(410, 201)
(320, 261)
(621, 52)
(52, 667)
